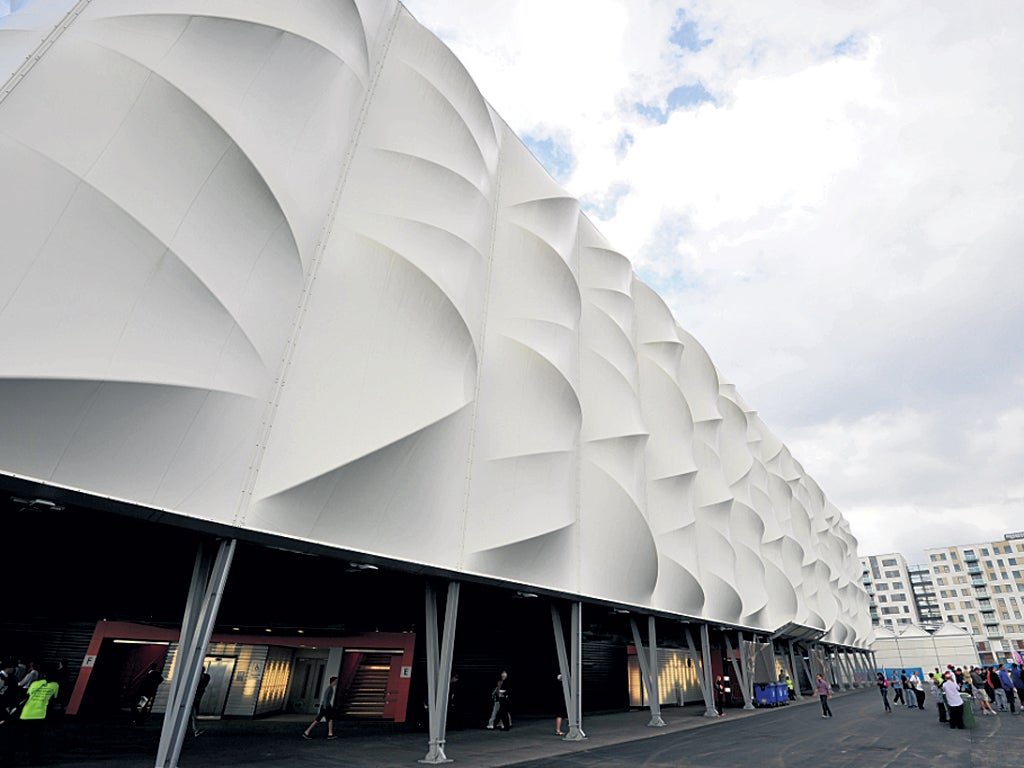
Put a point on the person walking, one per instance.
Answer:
(562, 714)
(326, 712)
(908, 692)
(720, 696)
(918, 687)
(824, 691)
(193, 715)
(978, 690)
(1006, 683)
(897, 689)
(32, 720)
(146, 695)
(501, 719)
(993, 687)
(1018, 684)
(883, 688)
(936, 691)
(954, 701)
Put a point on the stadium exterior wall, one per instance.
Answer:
(281, 267)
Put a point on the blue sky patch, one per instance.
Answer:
(685, 34)
(660, 269)
(605, 206)
(555, 156)
(846, 46)
(623, 144)
(680, 97)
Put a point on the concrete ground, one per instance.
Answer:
(795, 736)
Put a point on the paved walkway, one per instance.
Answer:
(859, 735)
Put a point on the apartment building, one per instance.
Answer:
(980, 587)
(887, 580)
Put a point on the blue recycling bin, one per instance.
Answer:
(781, 694)
(766, 695)
(760, 695)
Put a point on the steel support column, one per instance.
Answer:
(740, 670)
(807, 666)
(209, 575)
(848, 661)
(571, 668)
(439, 669)
(795, 672)
(706, 677)
(649, 669)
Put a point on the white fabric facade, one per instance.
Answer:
(281, 266)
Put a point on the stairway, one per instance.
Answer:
(366, 695)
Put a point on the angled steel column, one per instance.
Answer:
(838, 671)
(827, 668)
(209, 575)
(849, 669)
(843, 677)
(649, 669)
(706, 676)
(795, 672)
(740, 669)
(439, 669)
(807, 666)
(848, 661)
(572, 674)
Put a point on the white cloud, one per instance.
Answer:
(839, 227)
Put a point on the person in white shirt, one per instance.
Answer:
(918, 687)
(954, 702)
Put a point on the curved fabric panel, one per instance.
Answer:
(281, 266)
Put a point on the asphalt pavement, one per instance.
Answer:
(796, 736)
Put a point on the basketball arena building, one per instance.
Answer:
(309, 368)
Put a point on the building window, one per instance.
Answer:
(889, 561)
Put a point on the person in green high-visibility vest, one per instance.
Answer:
(790, 688)
(32, 720)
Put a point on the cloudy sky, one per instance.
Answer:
(828, 194)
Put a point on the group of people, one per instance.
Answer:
(28, 691)
(996, 685)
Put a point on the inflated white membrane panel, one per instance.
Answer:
(281, 266)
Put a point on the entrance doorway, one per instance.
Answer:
(221, 670)
(310, 678)
(118, 672)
